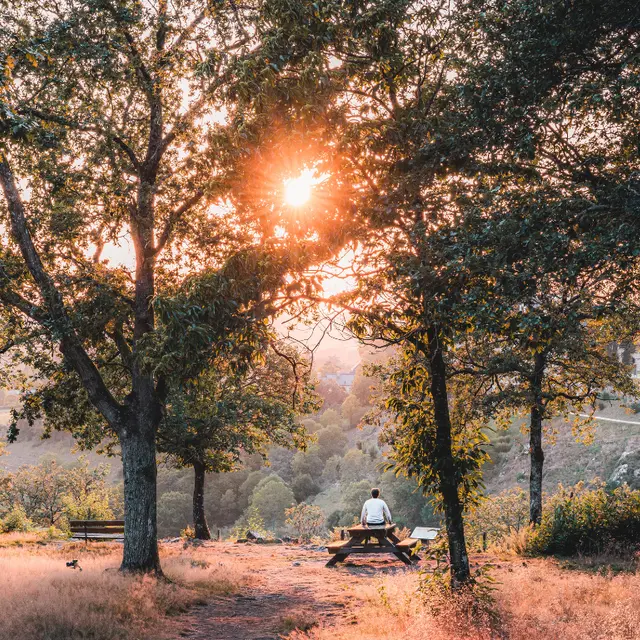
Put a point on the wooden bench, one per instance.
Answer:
(334, 547)
(97, 529)
(407, 543)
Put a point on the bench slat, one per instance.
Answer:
(408, 543)
(96, 523)
(102, 536)
(336, 546)
(92, 530)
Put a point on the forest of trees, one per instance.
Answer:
(337, 470)
(479, 162)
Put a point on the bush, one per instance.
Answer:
(587, 521)
(306, 519)
(54, 533)
(251, 520)
(16, 520)
(634, 407)
(498, 516)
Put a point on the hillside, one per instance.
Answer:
(614, 454)
(30, 449)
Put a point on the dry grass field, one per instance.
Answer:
(43, 599)
(246, 592)
(533, 599)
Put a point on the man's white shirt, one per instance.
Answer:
(375, 510)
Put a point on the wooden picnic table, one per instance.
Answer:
(384, 541)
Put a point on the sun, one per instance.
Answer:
(297, 191)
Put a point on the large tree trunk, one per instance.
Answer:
(140, 528)
(447, 473)
(199, 517)
(536, 453)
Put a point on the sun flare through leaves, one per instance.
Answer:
(298, 191)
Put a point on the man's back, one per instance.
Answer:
(375, 511)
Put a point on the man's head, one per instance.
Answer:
(375, 493)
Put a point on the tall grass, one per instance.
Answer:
(535, 599)
(43, 599)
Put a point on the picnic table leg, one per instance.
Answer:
(393, 537)
(402, 556)
(339, 557)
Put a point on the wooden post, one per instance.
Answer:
(484, 540)
(341, 534)
(218, 535)
(86, 537)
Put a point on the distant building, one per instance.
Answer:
(629, 355)
(343, 379)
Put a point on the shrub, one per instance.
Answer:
(306, 519)
(497, 516)
(16, 520)
(188, 533)
(53, 533)
(250, 521)
(581, 520)
(635, 407)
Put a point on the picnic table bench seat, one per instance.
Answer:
(407, 543)
(334, 547)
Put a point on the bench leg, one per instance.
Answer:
(339, 557)
(401, 555)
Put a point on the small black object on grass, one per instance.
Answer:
(74, 565)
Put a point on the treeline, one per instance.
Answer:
(50, 494)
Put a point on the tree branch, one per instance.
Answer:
(70, 345)
(173, 219)
(79, 126)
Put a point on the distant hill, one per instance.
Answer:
(30, 449)
(614, 455)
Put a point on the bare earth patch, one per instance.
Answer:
(291, 589)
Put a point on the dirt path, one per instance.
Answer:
(290, 587)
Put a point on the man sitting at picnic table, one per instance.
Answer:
(375, 511)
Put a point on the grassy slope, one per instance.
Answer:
(566, 461)
(61, 445)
